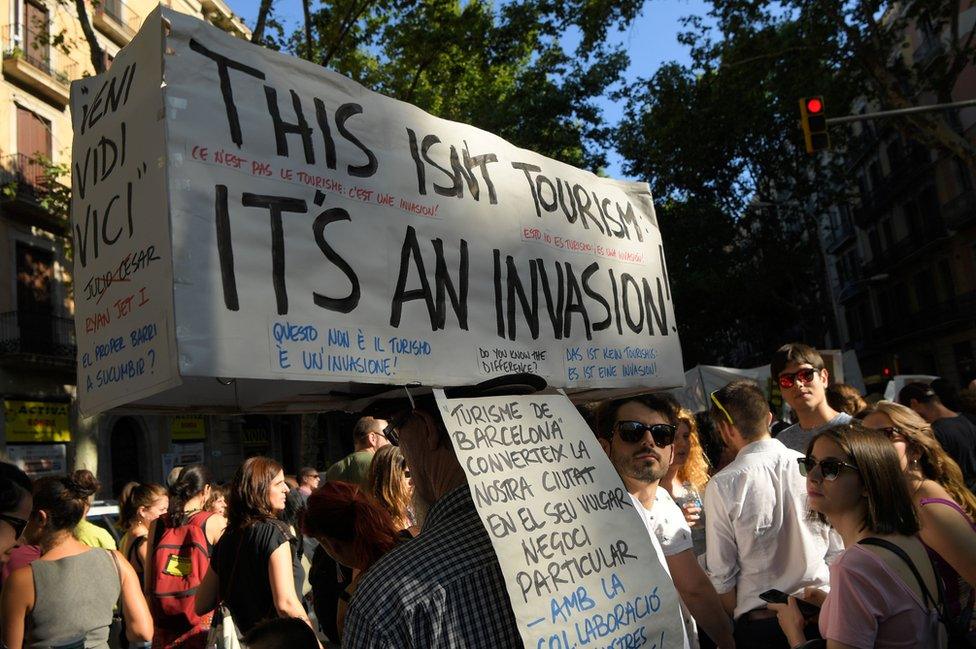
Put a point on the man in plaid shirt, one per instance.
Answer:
(443, 589)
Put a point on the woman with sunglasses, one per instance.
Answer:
(15, 504)
(946, 508)
(67, 596)
(854, 481)
(391, 486)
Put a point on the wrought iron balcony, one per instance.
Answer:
(23, 187)
(29, 58)
(42, 337)
(116, 20)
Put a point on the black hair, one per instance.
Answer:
(659, 402)
(797, 353)
(280, 633)
(14, 485)
(920, 392)
(65, 499)
(191, 482)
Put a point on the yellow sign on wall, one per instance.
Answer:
(187, 428)
(36, 421)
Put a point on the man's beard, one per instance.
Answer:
(640, 470)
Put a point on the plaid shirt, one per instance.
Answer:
(443, 589)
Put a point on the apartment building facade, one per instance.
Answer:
(901, 259)
(43, 49)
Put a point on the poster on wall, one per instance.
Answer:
(39, 460)
(272, 236)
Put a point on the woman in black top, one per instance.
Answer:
(251, 568)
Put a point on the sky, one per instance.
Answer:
(650, 41)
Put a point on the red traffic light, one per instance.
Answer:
(886, 372)
(814, 105)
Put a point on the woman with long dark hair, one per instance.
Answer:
(67, 596)
(180, 546)
(878, 585)
(251, 571)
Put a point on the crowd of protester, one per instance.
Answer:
(850, 526)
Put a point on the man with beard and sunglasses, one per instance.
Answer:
(758, 535)
(637, 434)
(368, 436)
(799, 370)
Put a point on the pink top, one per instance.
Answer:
(870, 606)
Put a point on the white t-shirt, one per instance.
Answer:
(666, 522)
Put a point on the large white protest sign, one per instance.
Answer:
(307, 231)
(579, 565)
(122, 256)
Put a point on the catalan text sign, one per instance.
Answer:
(579, 565)
(120, 222)
(319, 232)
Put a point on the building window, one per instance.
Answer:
(37, 48)
(33, 141)
(924, 290)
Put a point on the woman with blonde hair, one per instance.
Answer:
(390, 485)
(946, 508)
(686, 478)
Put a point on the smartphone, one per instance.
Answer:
(774, 596)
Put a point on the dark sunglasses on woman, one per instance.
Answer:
(633, 431)
(829, 468)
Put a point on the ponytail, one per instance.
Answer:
(132, 500)
(192, 481)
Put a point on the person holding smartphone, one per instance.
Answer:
(881, 586)
(758, 532)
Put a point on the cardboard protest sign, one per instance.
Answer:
(579, 565)
(310, 237)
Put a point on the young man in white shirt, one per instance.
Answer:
(799, 370)
(758, 532)
(638, 436)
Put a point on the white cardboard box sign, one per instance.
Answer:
(254, 232)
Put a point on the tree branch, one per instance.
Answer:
(258, 34)
(346, 26)
(95, 50)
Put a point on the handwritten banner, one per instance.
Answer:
(122, 251)
(579, 566)
(319, 232)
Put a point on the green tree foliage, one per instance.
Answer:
(503, 67)
(720, 143)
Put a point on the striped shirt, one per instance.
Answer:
(442, 589)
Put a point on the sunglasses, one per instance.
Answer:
(633, 431)
(17, 523)
(721, 407)
(804, 376)
(829, 468)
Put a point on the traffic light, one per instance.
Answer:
(813, 120)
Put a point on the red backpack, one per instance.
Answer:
(181, 557)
